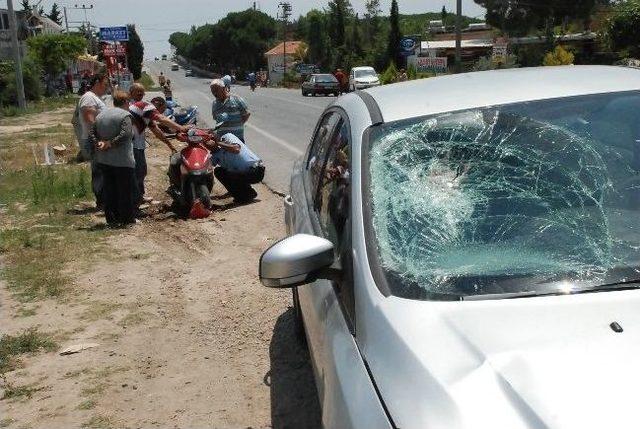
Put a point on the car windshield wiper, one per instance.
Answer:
(621, 285)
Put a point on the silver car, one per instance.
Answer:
(464, 252)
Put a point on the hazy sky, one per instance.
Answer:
(156, 19)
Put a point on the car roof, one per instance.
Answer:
(362, 68)
(489, 88)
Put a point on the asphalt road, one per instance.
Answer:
(280, 125)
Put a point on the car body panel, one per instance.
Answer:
(345, 390)
(310, 86)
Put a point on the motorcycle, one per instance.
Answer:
(188, 116)
(252, 85)
(191, 174)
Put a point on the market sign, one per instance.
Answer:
(407, 46)
(114, 34)
(431, 64)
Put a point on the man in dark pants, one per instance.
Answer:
(237, 167)
(112, 136)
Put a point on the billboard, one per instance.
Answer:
(431, 64)
(114, 34)
(407, 46)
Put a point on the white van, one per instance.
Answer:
(363, 77)
(175, 67)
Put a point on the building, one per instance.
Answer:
(276, 58)
(29, 24)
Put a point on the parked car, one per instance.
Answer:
(362, 78)
(164, 57)
(471, 261)
(321, 84)
(188, 72)
(175, 67)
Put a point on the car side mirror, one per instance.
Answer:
(296, 260)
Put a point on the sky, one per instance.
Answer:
(156, 19)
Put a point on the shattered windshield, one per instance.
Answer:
(507, 199)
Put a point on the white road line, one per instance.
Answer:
(275, 139)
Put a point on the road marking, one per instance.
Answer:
(275, 139)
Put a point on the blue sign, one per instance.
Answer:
(114, 34)
(407, 46)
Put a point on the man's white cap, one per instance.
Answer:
(227, 80)
(217, 82)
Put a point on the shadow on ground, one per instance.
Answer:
(294, 401)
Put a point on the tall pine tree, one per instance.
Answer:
(25, 5)
(135, 52)
(55, 14)
(393, 43)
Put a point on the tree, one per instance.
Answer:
(622, 28)
(55, 14)
(393, 41)
(443, 14)
(25, 5)
(338, 11)
(301, 52)
(354, 41)
(558, 57)
(316, 37)
(135, 52)
(52, 52)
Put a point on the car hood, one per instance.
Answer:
(550, 362)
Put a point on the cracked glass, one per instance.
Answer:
(508, 199)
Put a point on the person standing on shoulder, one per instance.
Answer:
(89, 106)
(147, 115)
(112, 135)
(161, 79)
(166, 89)
(228, 108)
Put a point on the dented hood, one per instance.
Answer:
(547, 362)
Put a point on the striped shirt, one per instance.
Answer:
(142, 114)
(230, 111)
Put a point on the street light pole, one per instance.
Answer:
(22, 102)
(286, 13)
(458, 36)
(66, 20)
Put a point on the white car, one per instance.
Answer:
(471, 260)
(362, 78)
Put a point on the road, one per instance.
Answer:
(280, 125)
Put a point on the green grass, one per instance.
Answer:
(89, 404)
(148, 83)
(12, 391)
(44, 105)
(98, 422)
(6, 422)
(29, 341)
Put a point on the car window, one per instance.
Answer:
(318, 152)
(326, 78)
(332, 205)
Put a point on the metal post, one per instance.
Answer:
(66, 20)
(286, 12)
(22, 102)
(458, 36)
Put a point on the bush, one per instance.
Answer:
(558, 57)
(622, 28)
(32, 84)
(389, 75)
(490, 63)
(529, 55)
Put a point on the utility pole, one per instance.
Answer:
(22, 102)
(458, 36)
(286, 13)
(66, 20)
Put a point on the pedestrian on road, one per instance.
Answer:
(228, 108)
(342, 80)
(89, 106)
(112, 136)
(237, 167)
(162, 79)
(166, 89)
(147, 115)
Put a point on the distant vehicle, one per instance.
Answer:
(321, 84)
(175, 67)
(362, 78)
(463, 251)
(164, 57)
(188, 72)
(157, 59)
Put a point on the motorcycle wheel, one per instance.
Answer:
(202, 193)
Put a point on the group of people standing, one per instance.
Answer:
(113, 140)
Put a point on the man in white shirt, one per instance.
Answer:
(89, 105)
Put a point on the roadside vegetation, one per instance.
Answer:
(39, 232)
(148, 83)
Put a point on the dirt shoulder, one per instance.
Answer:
(183, 333)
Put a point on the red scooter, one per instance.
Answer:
(191, 174)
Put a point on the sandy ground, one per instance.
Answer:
(188, 338)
